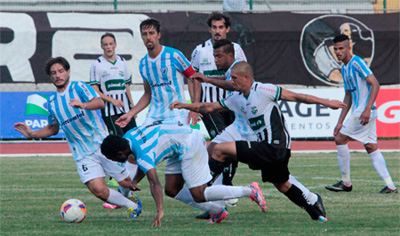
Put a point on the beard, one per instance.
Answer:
(62, 85)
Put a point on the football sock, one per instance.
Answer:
(380, 166)
(229, 172)
(222, 192)
(296, 196)
(344, 162)
(186, 197)
(216, 168)
(126, 192)
(309, 196)
(131, 168)
(118, 199)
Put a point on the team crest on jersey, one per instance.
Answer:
(164, 70)
(121, 73)
(254, 110)
(205, 60)
(242, 109)
(316, 45)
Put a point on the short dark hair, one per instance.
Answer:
(107, 35)
(219, 16)
(340, 38)
(58, 60)
(227, 46)
(150, 22)
(112, 144)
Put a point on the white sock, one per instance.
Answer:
(126, 192)
(309, 196)
(222, 192)
(131, 168)
(118, 199)
(380, 166)
(218, 181)
(211, 207)
(344, 162)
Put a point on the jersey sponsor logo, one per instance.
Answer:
(257, 123)
(74, 118)
(316, 45)
(116, 84)
(85, 89)
(161, 84)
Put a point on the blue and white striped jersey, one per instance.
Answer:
(240, 122)
(165, 75)
(151, 144)
(354, 74)
(83, 128)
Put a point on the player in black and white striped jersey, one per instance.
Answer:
(110, 78)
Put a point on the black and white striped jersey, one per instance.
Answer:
(112, 79)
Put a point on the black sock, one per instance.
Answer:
(229, 172)
(296, 196)
(216, 168)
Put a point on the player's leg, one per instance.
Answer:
(112, 128)
(311, 197)
(341, 141)
(379, 164)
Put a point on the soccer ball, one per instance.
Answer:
(73, 211)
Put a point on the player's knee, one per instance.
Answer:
(371, 147)
(171, 192)
(219, 154)
(198, 197)
(340, 139)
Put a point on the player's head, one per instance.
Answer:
(224, 54)
(242, 76)
(115, 148)
(108, 44)
(219, 25)
(342, 47)
(150, 32)
(58, 70)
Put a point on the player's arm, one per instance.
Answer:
(94, 104)
(128, 93)
(343, 113)
(115, 102)
(203, 107)
(375, 86)
(47, 131)
(219, 81)
(310, 99)
(156, 191)
(143, 102)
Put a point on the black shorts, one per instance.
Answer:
(273, 162)
(116, 129)
(215, 123)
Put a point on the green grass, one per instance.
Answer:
(33, 189)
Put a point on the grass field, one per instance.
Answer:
(33, 189)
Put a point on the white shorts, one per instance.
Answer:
(363, 133)
(94, 166)
(231, 134)
(193, 165)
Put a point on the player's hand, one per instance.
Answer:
(194, 117)
(199, 77)
(24, 129)
(117, 103)
(123, 120)
(76, 103)
(365, 116)
(335, 104)
(134, 187)
(157, 220)
(175, 104)
(337, 129)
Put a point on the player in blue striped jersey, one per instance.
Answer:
(187, 163)
(163, 70)
(73, 108)
(361, 89)
(257, 103)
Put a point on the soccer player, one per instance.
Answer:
(361, 89)
(257, 103)
(73, 107)
(239, 130)
(110, 78)
(203, 61)
(187, 163)
(163, 70)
